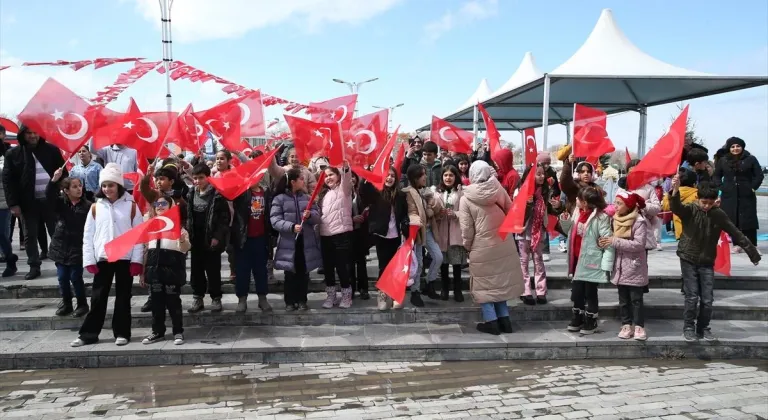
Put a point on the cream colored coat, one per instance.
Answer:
(494, 264)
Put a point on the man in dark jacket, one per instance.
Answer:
(27, 171)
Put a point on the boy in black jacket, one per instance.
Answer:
(208, 226)
(697, 249)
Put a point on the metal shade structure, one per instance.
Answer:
(607, 72)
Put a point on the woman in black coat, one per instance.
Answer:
(739, 175)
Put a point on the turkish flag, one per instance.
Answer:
(223, 120)
(108, 125)
(394, 279)
(590, 137)
(233, 183)
(663, 158)
(311, 138)
(723, 257)
(493, 135)
(399, 158)
(252, 122)
(187, 131)
(67, 163)
(143, 166)
(365, 138)
(378, 174)
(514, 222)
(530, 147)
(167, 226)
(627, 157)
(59, 116)
(10, 126)
(337, 110)
(552, 226)
(450, 137)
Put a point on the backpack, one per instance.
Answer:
(133, 211)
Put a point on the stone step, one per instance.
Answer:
(38, 314)
(45, 349)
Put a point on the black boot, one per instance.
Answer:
(445, 282)
(577, 321)
(66, 308)
(528, 300)
(457, 295)
(34, 272)
(505, 325)
(541, 300)
(590, 323)
(147, 306)
(82, 308)
(490, 327)
(430, 291)
(416, 299)
(10, 265)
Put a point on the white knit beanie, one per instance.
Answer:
(111, 173)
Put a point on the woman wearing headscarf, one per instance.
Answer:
(495, 275)
(738, 175)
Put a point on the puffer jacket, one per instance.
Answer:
(494, 264)
(111, 220)
(593, 264)
(336, 208)
(166, 261)
(630, 264)
(650, 213)
(448, 232)
(285, 213)
(67, 238)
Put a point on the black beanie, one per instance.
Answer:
(735, 140)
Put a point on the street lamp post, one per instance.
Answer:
(391, 111)
(165, 24)
(354, 87)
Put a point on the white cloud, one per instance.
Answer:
(197, 20)
(469, 12)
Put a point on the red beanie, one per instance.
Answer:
(631, 200)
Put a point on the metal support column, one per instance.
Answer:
(642, 132)
(475, 126)
(545, 113)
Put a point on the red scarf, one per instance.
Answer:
(577, 237)
(539, 212)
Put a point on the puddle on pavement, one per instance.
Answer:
(303, 388)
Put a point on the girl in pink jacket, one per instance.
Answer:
(630, 270)
(336, 226)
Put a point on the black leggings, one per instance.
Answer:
(335, 250)
(584, 295)
(386, 248)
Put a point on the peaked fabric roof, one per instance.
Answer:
(482, 93)
(526, 72)
(607, 72)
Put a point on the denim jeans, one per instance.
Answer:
(494, 310)
(417, 260)
(70, 274)
(252, 259)
(698, 285)
(5, 235)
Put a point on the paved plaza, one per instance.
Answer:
(652, 389)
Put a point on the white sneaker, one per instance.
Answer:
(77, 343)
(562, 247)
(546, 258)
(178, 339)
(397, 305)
(659, 248)
(120, 341)
(383, 303)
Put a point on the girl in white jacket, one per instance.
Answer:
(113, 214)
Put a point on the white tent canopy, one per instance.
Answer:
(607, 72)
(482, 93)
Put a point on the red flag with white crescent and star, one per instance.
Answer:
(450, 137)
(664, 157)
(59, 116)
(187, 131)
(339, 110)
(590, 137)
(310, 138)
(232, 184)
(223, 120)
(492, 133)
(394, 278)
(252, 122)
(365, 138)
(167, 226)
(378, 173)
(530, 146)
(723, 256)
(514, 221)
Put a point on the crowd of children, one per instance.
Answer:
(274, 224)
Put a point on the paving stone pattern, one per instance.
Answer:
(671, 390)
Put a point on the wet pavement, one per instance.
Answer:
(666, 389)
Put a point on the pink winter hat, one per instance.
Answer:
(544, 157)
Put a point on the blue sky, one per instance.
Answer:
(429, 54)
